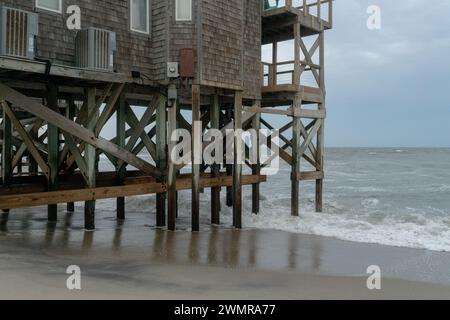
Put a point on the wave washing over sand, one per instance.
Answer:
(377, 196)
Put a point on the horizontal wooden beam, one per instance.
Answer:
(301, 113)
(310, 175)
(45, 198)
(31, 66)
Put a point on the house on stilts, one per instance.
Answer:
(68, 69)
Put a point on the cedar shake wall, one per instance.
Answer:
(56, 42)
(183, 34)
(252, 49)
(159, 39)
(222, 40)
(231, 44)
(228, 51)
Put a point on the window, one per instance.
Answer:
(50, 5)
(139, 16)
(183, 10)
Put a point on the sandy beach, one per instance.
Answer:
(133, 260)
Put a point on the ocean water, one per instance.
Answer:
(397, 197)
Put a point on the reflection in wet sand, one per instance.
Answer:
(4, 216)
(88, 240)
(117, 240)
(135, 243)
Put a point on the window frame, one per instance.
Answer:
(147, 32)
(176, 13)
(40, 7)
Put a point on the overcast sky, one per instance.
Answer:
(389, 87)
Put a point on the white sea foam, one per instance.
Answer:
(423, 233)
(383, 201)
(408, 230)
(370, 203)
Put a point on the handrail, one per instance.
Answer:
(302, 5)
(273, 72)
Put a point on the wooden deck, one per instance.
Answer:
(35, 70)
(284, 94)
(277, 24)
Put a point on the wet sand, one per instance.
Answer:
(134, 260)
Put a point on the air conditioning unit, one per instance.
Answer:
(94, 49)
(18, 32)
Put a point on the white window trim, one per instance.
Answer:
(176, 12)
(148, 19)
(49, 9)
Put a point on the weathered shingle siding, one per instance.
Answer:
(183, 34)
(222, 40)
(160, 23)
(226, 36)
(56, 42)
(252, 49)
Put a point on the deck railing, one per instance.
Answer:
(284, 73)
(321, 9)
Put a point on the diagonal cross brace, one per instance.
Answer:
(56, 119)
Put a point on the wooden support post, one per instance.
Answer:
(71, 207)
(297, 58)
(229, 170)
(71, 113)
(321, 132)
(256, 168)
(229, 167)
(296, 134)
(177, 125)
(296, 125)
(238, 160)
(273, 78)
(121, 142)
(330, 13)
(215, 168)
(53, 151)
(161, 159)
(196, 157)
(172, 204)
(6, 149)
(90, 155)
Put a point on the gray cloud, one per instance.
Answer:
(389, 87)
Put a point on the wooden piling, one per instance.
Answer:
(121, 142)
(196, 157)
(161, 158)
(238, 159)
(215, 168)
(71, 113)
(229, 170)
(172, 171)
(296, 134)
(90, 157)
(6, 149)
(256, 168)
(296, 125)
(321, 132)
(53, 150)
